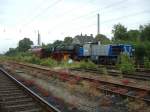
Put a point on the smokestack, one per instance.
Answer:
(98, 24)
(39, 38)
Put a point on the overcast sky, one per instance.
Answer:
(56, 19)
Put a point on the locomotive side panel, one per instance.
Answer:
(87, 50)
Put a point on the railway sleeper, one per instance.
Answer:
(8, 91)
(6, 81)
(22, 107)
(16, 102)
(31, 110)
(3, 81)
(11, 94)
(14, 97)
(7, 86)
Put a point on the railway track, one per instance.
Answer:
(15, 97)
(139, 75)
(107, 87)
(141, 69)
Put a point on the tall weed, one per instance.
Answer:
(126, 64)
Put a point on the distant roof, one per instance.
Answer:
(35, 46)
(83, 39)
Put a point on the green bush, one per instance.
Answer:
(65, 64)
(21, 57)
(87, 65)
(126, 64)
(140, 52)
(146, 62)
(103, 70)
(34, 60)
(147, 49)
(48, 62)
(26, 58)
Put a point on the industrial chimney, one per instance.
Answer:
(98, 24)
(39, 39)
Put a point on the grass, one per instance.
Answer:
(48, 62)
(53, 63)
(103, 70)
(137, 105)
(146, 63)
(126, 64)
(65, 64)
(87, 65)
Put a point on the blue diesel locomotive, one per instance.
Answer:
(104, 54)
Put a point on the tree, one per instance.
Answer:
(11, 52)
(119, 32)
(140, 52)
(133, 35)
(102, 38)
(24, 44)
(145, 32)
(49, 47)
(147, 49)
(68, 40)
(57, 43)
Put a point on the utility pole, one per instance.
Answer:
(39, 38)
(98, 23)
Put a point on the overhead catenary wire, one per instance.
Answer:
(74, 8)
(91, 16)
(127, 16)
(36, 8)
(114, 4)
(110, 20)
(116, 19)
(103, 8)
(43, 11)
